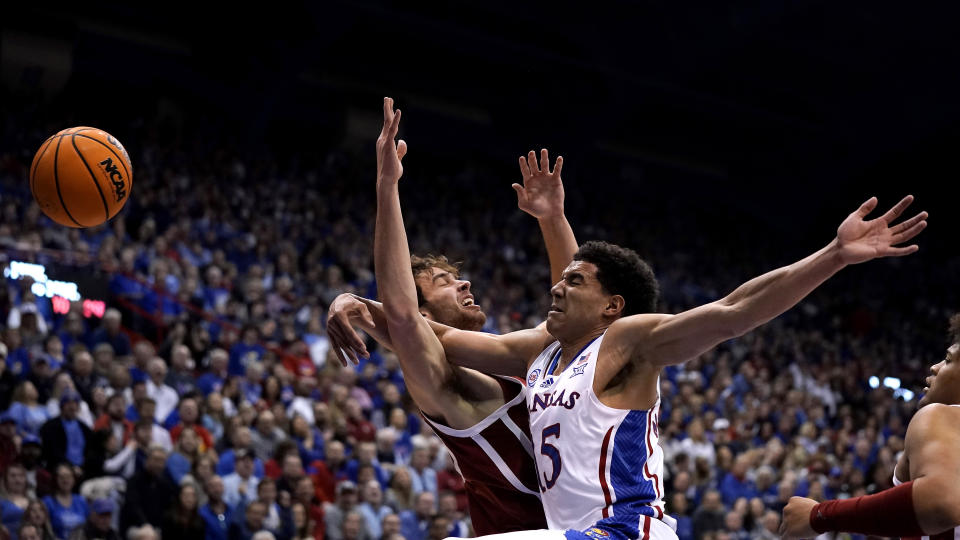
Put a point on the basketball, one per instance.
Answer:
(81, 177)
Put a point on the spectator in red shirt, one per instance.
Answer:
(306, 495)
(358, 427)
(190, 417)
(115, 420)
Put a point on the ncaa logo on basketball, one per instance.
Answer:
(532, 378)
(116, 178)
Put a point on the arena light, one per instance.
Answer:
(42, 285)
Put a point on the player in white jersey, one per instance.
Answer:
(595, 434)
(925, 502)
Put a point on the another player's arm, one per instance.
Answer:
(926, 505)
(421, 356)
(672, 339)
(541, 196)
(506, 354)
(348, 311)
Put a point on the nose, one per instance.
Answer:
(555, 290)
(936, 368)
(463, 285)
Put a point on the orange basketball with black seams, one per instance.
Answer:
(81, 177)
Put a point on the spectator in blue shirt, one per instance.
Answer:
(213, 380)
(109, 332)
(735, 484)
(67, 510)
(679, 511)
(246, 351)
(414, 523)
(65, 437)
(216, 513)
(26, 409)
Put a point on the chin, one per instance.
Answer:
(474, 320)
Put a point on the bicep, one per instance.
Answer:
(932, 440)
(673, 339)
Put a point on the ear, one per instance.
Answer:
(615, 306)
(426, 314)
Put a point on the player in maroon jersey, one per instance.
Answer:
(482, 419)
(925, 503)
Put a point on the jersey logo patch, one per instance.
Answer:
(578, 370)
(583, 359)
(532, 378)
(546, 382)
(597, 533)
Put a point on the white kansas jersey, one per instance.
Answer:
(597, 466)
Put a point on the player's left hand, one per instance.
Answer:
(861, 240)
(389, 153)
(796, 519)
(541, 194)
(344, 340)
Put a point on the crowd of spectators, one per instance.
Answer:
(206, 404)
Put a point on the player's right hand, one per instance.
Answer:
(541, 194)
(389, 153)
(343, 338)
(796, 519)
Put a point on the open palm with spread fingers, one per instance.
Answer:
(861, 240)
(541, 194)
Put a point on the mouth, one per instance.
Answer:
(468, 303)
(554, 309)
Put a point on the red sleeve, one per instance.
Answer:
(888, 513)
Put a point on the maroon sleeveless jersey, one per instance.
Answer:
(495, 458)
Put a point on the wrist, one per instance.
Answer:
(552, 217)
(835, 255)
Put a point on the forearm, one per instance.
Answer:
(915, 508)
(765, 297)
(395, 283)
(506, 354)
(560, 242)
(117, 462)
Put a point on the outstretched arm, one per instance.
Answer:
(926, 505)
(673, 339)
(421, 356)
(541, 196)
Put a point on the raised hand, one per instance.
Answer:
(390, 153)
(344, 340)
(796, 519)
(541, 194)
(860, 240)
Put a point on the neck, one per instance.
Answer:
(570, 349)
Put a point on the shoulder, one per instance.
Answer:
(635, 324)
(934, 418)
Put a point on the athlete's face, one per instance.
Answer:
(448, 300)
(579, 304)
(943, 384)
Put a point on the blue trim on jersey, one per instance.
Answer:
(595, 532)
(556, 358)
(633, 491)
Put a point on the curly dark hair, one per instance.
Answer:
(955, 329)
(423, 264)
(621, 271)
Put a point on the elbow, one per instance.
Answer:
(940, 511)
(946, 512)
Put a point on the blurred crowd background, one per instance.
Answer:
(191, 391)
